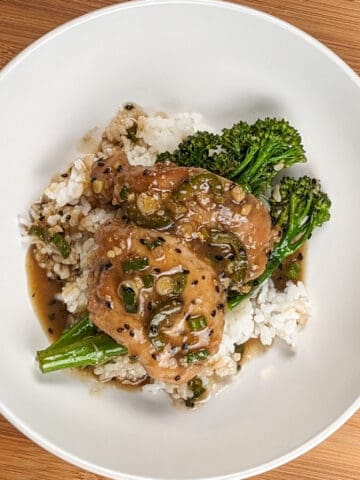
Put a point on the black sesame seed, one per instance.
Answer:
(300, 256)
(219, 258)
(64, 175)
(153, 355)
(107, 170)
(177, 250)
(127, 326)
(194, 282)
(52, 301)
(133, 358)
(41, 218)
(129, 106)
(142, 241)
(217, 288)
(177, 378)
(231, 257)
(211, 332)
(188, 316)
(232, 186)
(162, 239)
(108, 304)
(213, 313)
(146, 172)
(186, 271)
(120, 329)
(203, 277)
(92, 179)
(184, 346)
(156, 270)
(132, 333)
(119, 168)
(68, 217)
(221, 306)
(149, 306)
(61, 212)
(100, 163)
(107, 266)
(154, 329)
(51, 331)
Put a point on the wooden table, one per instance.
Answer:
(334, 22)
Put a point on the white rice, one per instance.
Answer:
(267, 315)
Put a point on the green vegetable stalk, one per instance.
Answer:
(94, 350)
(298, 206)
(79, 346)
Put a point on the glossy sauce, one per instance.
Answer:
(280, 278)
(51, 313)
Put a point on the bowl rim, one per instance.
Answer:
(351, 74)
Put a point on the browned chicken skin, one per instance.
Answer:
(151, 187)
(213, 236)
(173, 327)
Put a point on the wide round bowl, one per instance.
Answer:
(228, 63)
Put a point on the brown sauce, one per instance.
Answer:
(280, 276)
(51, 313)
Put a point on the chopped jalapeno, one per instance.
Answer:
(129, 298)
(156, 220)
(137, 263)
(179, 280)
(161, 318)
(197, 183)
(197, 323)
(196, 386)
(236, 268)
(197, 356)
(148, 281)
(153, 243)
(171, 284)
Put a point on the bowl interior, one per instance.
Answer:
(227, 63)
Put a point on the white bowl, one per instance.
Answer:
(227, 62)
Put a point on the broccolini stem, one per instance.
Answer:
(81, 329)
(94, 350)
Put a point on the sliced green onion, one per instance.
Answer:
(137, 263)
(197, 356)
(197, 323)
(293, 271)
(129, 298)
(148, 281)
(61, 244)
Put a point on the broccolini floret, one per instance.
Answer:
(297, 207)
(251, 155)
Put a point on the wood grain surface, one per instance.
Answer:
(334, 22)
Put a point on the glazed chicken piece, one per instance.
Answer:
(155, 295)
(194, 204)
